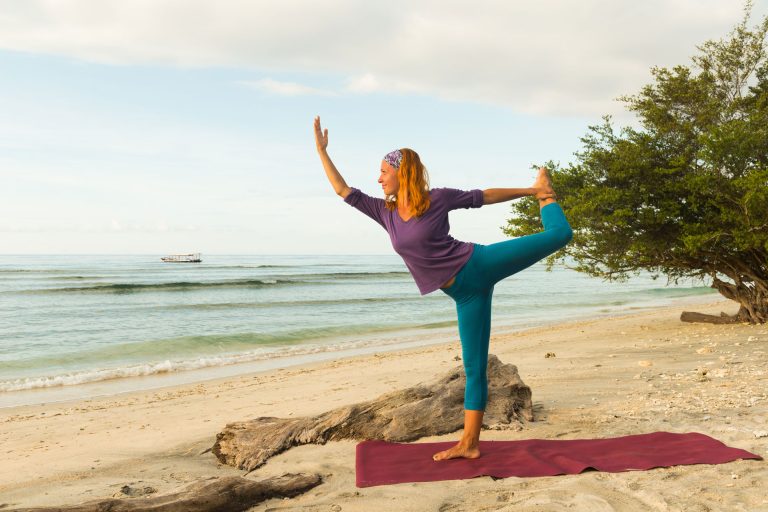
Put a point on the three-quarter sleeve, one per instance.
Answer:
(456, 198)
(371, 206)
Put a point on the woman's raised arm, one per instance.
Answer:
(321, 140)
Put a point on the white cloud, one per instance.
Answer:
(369, 83)
(556, 56)
(365, 83)
(285, 88)
(113, 226)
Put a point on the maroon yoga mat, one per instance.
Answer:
(381, 462)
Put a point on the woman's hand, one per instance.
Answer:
(338, 183)
(320, 140)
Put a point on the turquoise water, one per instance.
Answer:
(71, 320)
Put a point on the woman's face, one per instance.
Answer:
(388, 179)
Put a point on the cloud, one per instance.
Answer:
(285, 88)
(113, 226)
(369, 83)
(551, 57)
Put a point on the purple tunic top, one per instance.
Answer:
(430, 253)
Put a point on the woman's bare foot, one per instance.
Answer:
(543, 185)
(460, 450)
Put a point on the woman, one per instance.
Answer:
(416, 218)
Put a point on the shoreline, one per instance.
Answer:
(403, 340)
(612, 376)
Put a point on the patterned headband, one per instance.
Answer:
(394, 158)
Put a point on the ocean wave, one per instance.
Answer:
(33, 271)
(184, 353)
(289, 280)
(289, 303)
(248, 266)
(73, 278)
(201, 345)
(170, 366)
(139, 370)
(169, 286)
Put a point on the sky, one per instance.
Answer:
(159, 127)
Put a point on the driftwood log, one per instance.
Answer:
(429, 409)
(232, 494)
(724, 318)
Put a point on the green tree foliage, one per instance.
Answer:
(685, 195)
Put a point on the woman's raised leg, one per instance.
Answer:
(509, 257)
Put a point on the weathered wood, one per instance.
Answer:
(233, 494)
(404, 415)
(692, 316)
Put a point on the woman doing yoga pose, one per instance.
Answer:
(416, 219)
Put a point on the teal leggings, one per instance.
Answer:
(473, 290)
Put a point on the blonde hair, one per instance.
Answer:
(414, 180)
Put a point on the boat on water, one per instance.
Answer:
(182, 258)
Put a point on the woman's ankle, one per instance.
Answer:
(548, 200)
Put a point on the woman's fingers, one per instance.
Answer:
(320, 138)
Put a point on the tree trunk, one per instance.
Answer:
(405, 415)
(750, 291)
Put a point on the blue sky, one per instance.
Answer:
(162, 127)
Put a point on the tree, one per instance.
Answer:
(686, 195)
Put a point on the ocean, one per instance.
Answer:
(76, 326)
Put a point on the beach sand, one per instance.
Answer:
(613, 376)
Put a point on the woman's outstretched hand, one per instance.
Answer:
(320, 139)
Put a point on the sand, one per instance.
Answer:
(612, 376)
